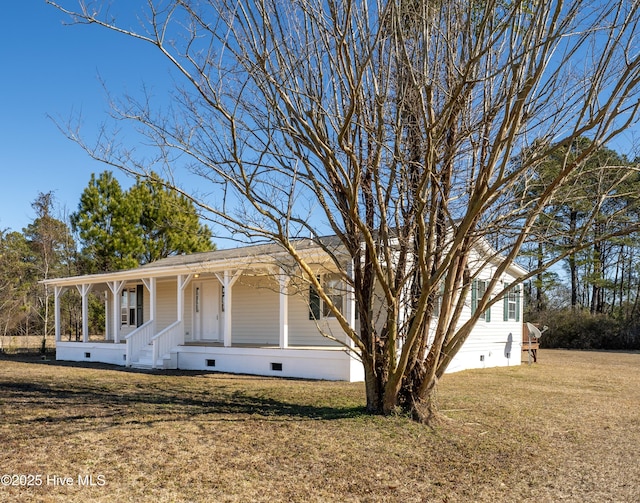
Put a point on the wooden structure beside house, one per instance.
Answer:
(238, 310)
(530, 342)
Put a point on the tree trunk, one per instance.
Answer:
(573, 218)
(539, 278)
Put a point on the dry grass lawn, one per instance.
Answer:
(565, 429)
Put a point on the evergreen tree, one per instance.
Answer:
(169, 223)
(15, 281)
(108, 225)
(123, 229)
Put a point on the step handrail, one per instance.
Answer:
(165, 340)
(138, 339)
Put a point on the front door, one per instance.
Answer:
(206, 304)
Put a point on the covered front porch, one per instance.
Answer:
(199, 315)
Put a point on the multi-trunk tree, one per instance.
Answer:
(400, 127)
(52, 249)
(44, 249)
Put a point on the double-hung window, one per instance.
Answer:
(512, 304)
(333, 287)
(478, 291)
(128, 307)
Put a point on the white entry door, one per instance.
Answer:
(206, 316)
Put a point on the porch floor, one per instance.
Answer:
(216, 344)
(93, 340)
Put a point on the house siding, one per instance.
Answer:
(494, 343)
(166, 311)
(255, 311)
(303, 331)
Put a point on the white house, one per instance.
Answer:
(237, 310)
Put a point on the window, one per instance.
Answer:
(512, 304)
(128, 307)
(332, 286)
(478, 290)
(124, 303)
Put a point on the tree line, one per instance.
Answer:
(112, 229)
(591, 299)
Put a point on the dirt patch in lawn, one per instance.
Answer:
(566, 428)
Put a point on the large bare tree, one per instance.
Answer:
(408, 129)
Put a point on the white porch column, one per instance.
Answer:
(58, 291)
(150, 283)
(107, 332)
(116, 287)
(84, 291)
(227, 309)
(284, 310)
(228, 281)
(183, 281)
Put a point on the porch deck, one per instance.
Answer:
(210, 344)
(219, 344)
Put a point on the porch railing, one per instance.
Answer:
(166, 340)
(138, 339)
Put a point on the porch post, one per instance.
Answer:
(228, 281)
(153, 308)
(183, 281)
(227, 309)
(180, 298)
(284, 310)
(116, 288)
(150, 283)
(107, 314)
(56, 302)
(84, 290)
(115, 302)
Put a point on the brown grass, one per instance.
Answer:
(565, 429)
(13, 344)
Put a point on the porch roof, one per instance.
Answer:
(249, 256)
(244, 257)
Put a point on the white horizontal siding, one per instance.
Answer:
(255, 311)
(494, 343)
(166, 302)
(305, 332)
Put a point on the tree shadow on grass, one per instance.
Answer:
(129, 402)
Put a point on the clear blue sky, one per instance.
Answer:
(49, 69)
